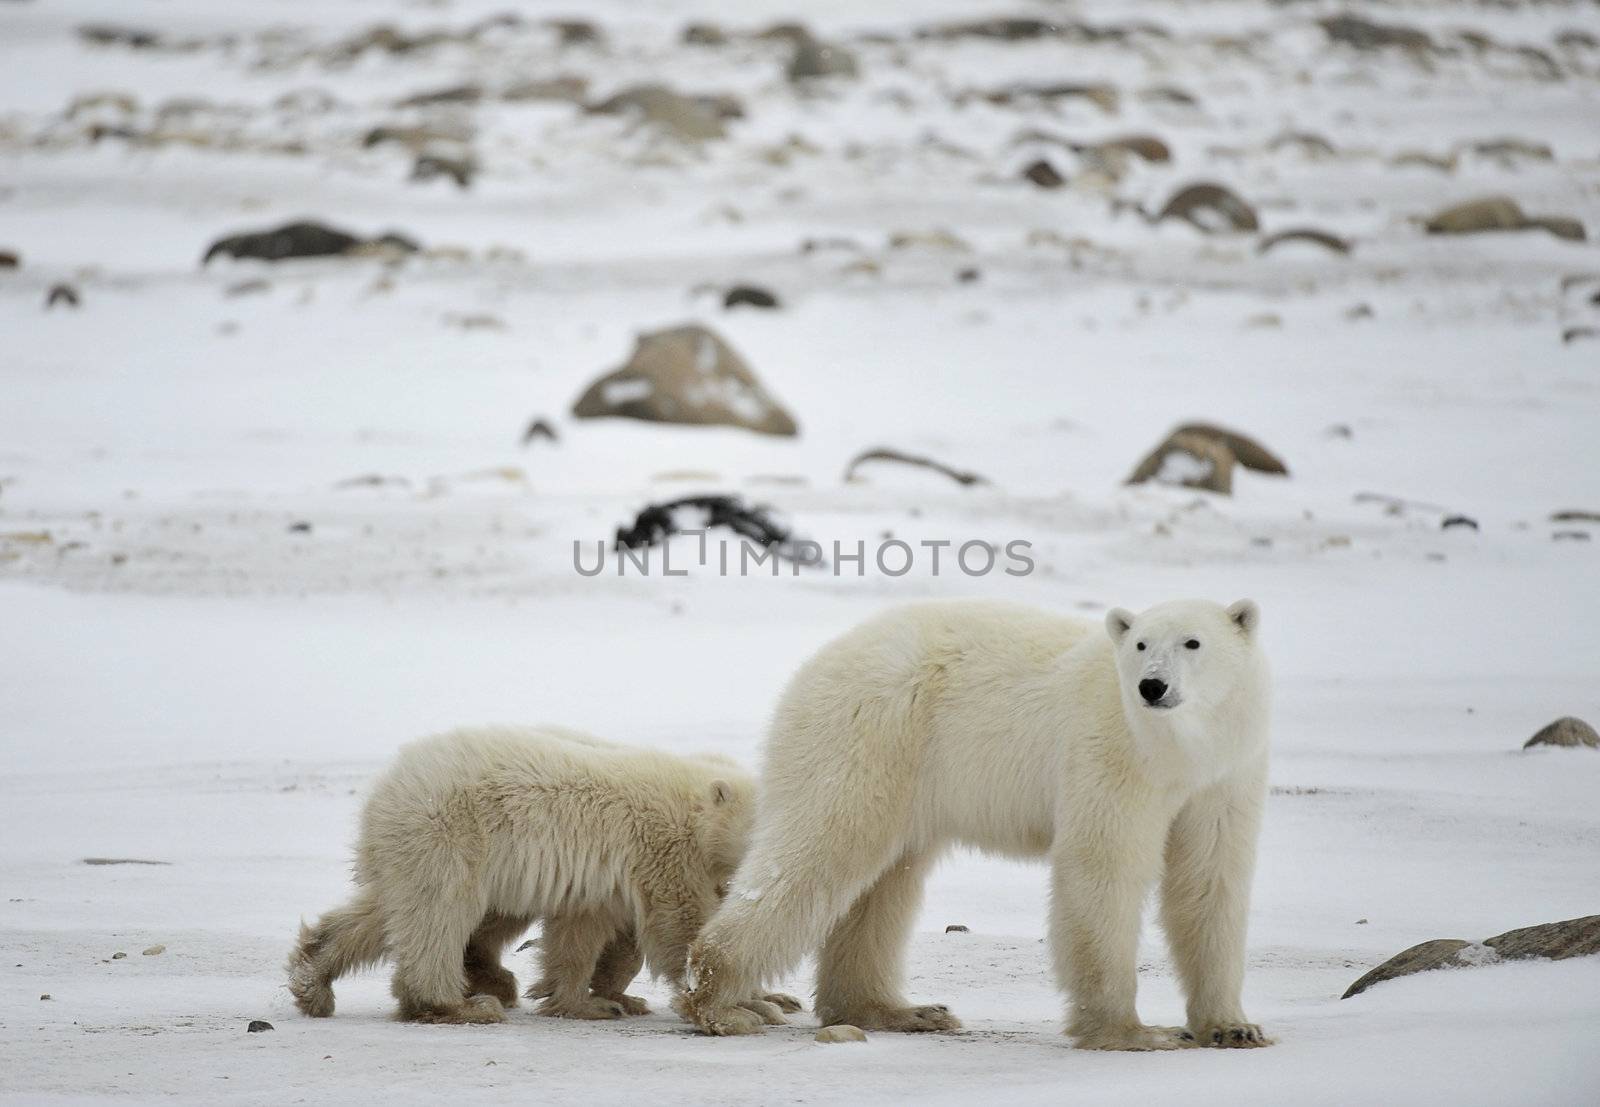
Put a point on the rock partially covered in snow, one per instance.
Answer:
(813, 60)
(1566, 731)
(1501, 213)
(686, 375)
(1211, 208)
(1555, 941)
(683, 117)
(1202, 455)
(305, 239)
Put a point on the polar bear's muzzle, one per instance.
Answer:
(1157, 693)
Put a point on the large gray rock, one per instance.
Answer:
(686, 375)
(1555, 941)
(813, 59)
(1566, 731)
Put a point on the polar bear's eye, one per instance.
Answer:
(1140, 646)
(1192, 644)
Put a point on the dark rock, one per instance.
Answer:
(576, 32)
(957, 928)
(1211, 208)
(430, 166)
(119, 956)
(1566, 731)
(540, 428)
(454, 94)
(1203, 455)
(657, 522)
(303, 239)
(61, 294)
(1014, 29)
(1043, 174)
(10, 259)
(45, 996)
(121, 861)
(1555, 941)
(1304, 234)
(751, 295)
(1419, 958)
(1500, 213)
(960, 476)
(1464, 521)
(686, 375)
(300, 528)
(1363, 34)
(566, 88)
(1573, 515)
(970, 275)
(1562, 226)
(108, 34)
(257, 1026)
(704, 34)
(1573, 334)
(815, 60)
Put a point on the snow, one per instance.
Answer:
(190, 676)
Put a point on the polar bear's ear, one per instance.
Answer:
(1245, 615)
(721, 792)
(1118, 622)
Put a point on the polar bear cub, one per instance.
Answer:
(471, 836)
(1123, 755)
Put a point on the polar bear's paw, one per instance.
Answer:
(720, 1022)
(769, 1013)
(472, 1011)
(593, 1008)
(786, 1003)
(1136, 1038)
(497, 982)
(1233, 1035)
(929, 1018)
(631, 1005)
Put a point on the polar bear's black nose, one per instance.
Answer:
(1152, 689)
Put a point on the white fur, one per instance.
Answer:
(1019, 733)
(471, 836)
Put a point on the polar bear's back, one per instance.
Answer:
(534, 814)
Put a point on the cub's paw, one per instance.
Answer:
(1137, 1038)
(593, 1008)
(929, 1018)
(472, 1011)
(1233, 1035)
(784, 1002)
(767, 1012)
(631, 1005)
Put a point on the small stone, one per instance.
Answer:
(300, 528)
(750, 295)
(957, 928)
(257, 1026)
(62, 294)
(1361, 922)
(540, 428)
(1565, 731)
(1043, 174)
(155, 951)
(118, 956)
(841, 1032)
(970, 275)
(45, 996)
(1464, 521)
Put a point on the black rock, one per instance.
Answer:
(292, 240)
(300, 528)
(10, 259)
(957, 928)
(970, 275)
(1043, 174)
(751, 295)
(257, 1026)
(540, 428)
(61, 294)
(1459, 521)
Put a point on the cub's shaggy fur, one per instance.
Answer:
(473, 835)
(1123, 755)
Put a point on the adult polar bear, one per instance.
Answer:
(1122, 757)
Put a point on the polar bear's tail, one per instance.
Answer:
(344, 940)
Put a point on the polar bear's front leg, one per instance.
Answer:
(1099, 878)
(1205, 899)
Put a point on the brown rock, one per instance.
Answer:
(681, 116)
(1566, 731)
(813, 59)
(1212, 208)
(1419, 958)
(1551, 941)
(686, 375)
(1304, 234)
(1249, 453)
(1189, 460)
(1043, 174)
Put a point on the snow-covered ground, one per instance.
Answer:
(189, 675)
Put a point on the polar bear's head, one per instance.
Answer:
(724, 819)
(1185, 654)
